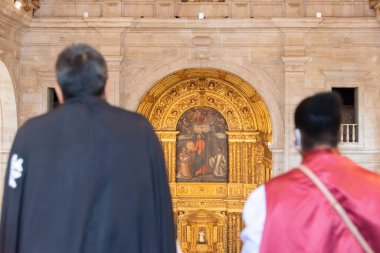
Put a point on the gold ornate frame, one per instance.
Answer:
(249, 131)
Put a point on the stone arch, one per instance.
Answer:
(8, 108)
(8, 115)
(251, 74)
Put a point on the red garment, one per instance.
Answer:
(199, 145)
(201, 170)
(300, 219)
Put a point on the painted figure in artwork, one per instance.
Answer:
(184, 165)
(202, 146)
(219, 164)
(201, 236)
(200, 163)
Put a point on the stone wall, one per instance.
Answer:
(284, 59)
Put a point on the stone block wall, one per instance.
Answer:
(284, 59)
(348, 59)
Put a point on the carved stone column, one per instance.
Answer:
(294, 82)
(113, 63)
(294, 66)
(294, 41)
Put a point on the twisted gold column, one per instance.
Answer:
(232, 161)
(246, 164)
(259, 163)
(251, 164)
(234, 229)
(238, 230)
(234, 233)
(168, 142)
(239, 162)
(230, 233)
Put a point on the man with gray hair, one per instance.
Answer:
(87, 177)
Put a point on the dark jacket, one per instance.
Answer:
(93, 180)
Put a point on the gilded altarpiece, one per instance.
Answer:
(208, 213)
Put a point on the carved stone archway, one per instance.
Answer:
(249, 131)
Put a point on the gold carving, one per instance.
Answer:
(230, 233)
(235, 190)
(208, 215)
(248, 188)
(237, 232)
(259, 165)
(202, 231)
(196, 204)
(242, 107)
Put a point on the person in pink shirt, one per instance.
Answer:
(291, 214)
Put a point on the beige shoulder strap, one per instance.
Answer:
(338, 208)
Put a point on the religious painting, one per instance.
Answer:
(202, 146)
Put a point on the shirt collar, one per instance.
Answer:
(85, 99)
(316, 152)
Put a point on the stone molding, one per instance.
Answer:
(153, 23)
(353, 75)
(232, 9)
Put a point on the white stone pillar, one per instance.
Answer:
(294, 83)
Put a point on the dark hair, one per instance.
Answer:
(81, 70)
(319, 117)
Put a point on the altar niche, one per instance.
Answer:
(214, 128)
(202, 146)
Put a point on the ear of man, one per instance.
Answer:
(106, 92)
(59, 93)
(298, 139)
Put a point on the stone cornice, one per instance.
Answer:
(352, 75)
(154, 23)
